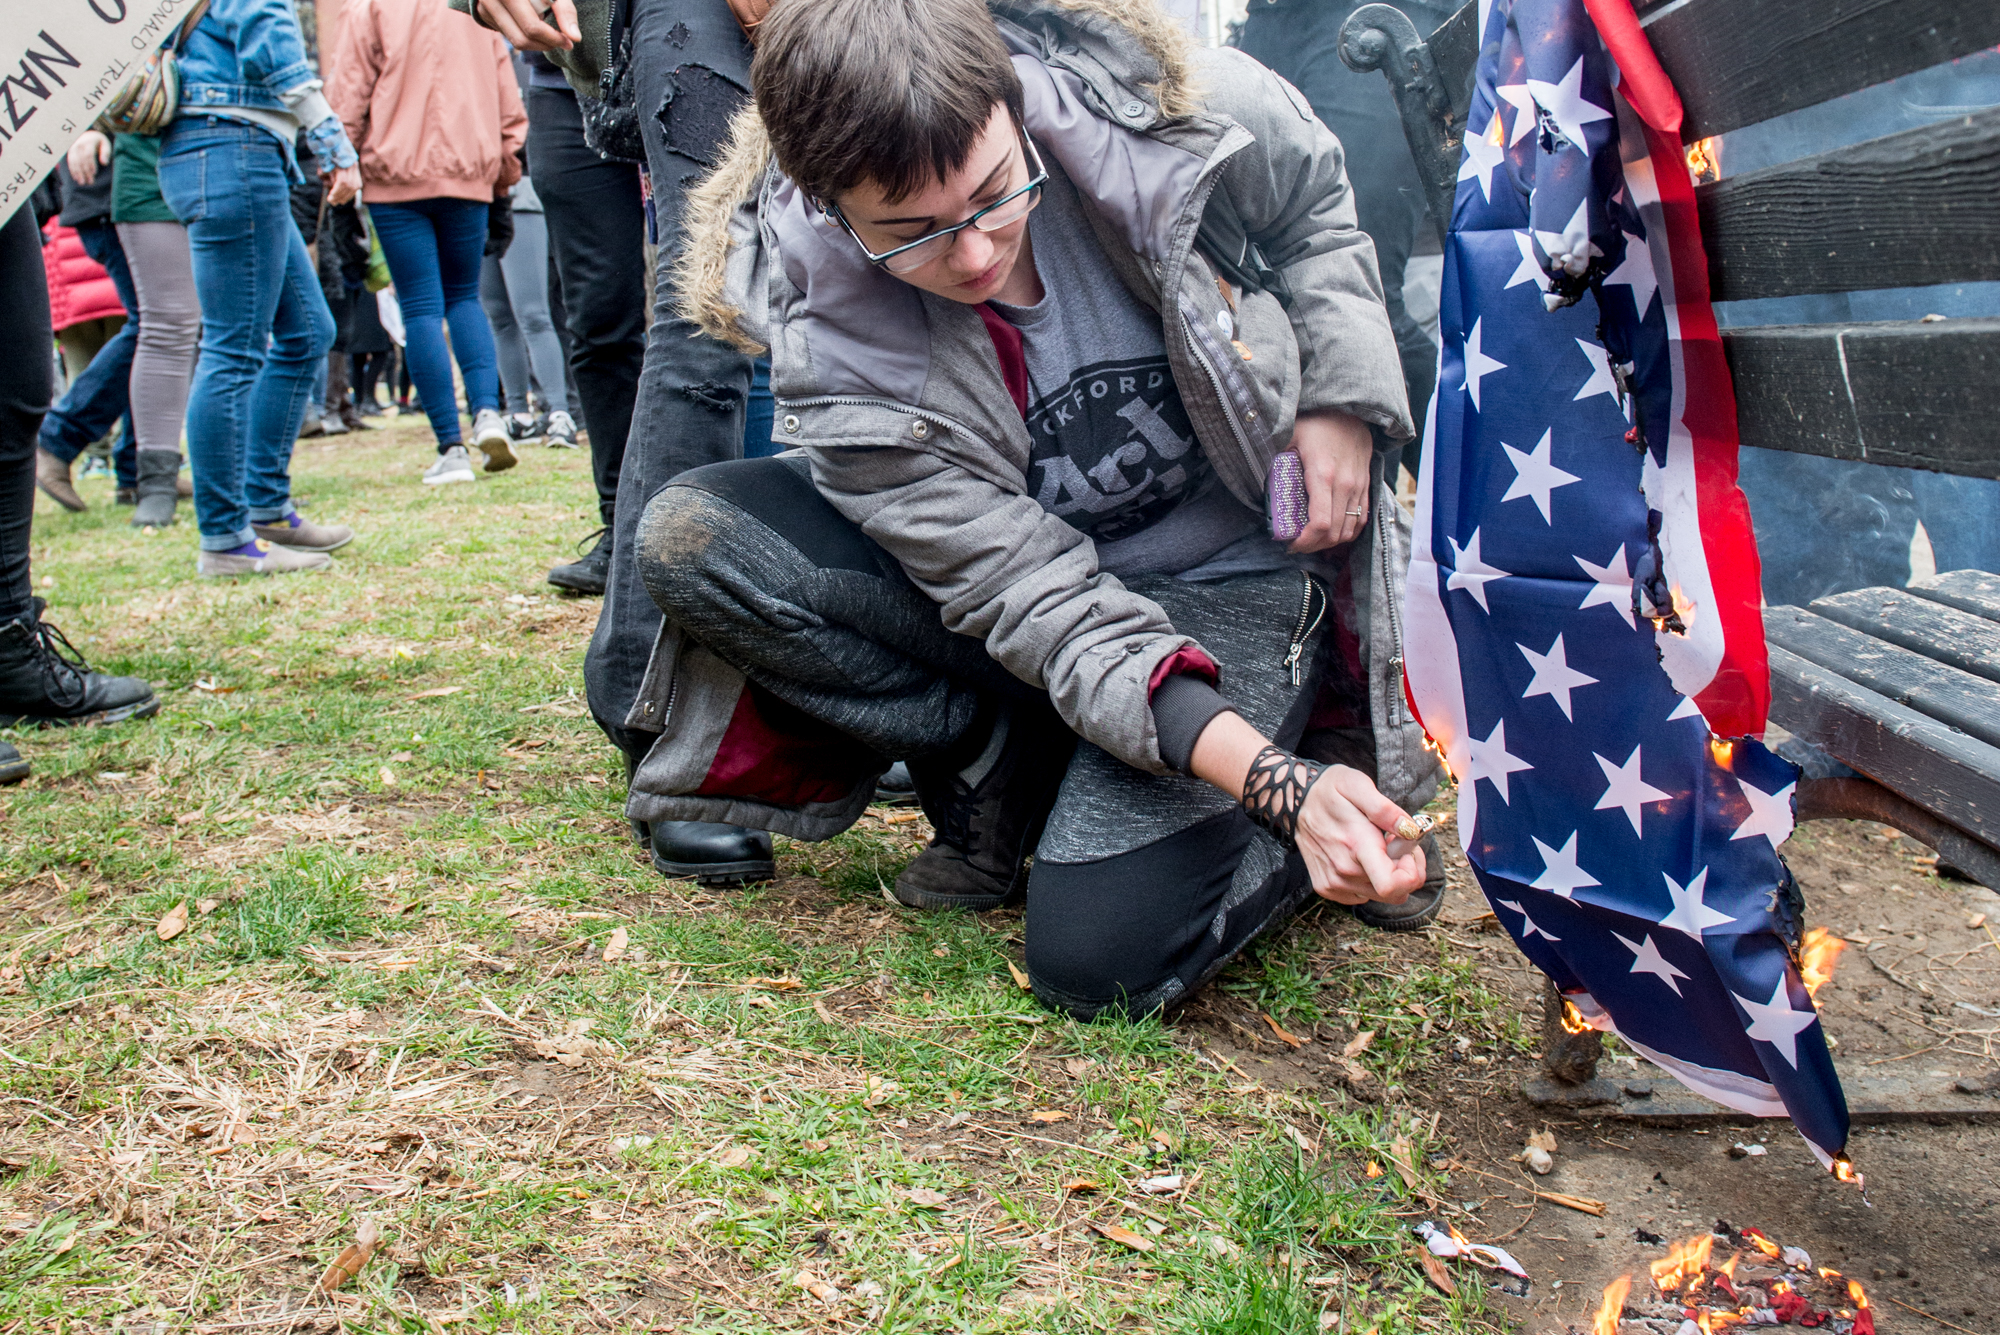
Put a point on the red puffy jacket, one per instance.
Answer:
(79, 289)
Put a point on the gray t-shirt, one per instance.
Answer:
(1113, 451)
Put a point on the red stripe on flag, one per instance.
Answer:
(1645, 85)
(1737, 700)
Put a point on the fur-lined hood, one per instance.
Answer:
(1138, 64)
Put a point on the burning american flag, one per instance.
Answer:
(1585, 641)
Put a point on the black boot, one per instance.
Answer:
(13, 765)
(710, 854)
(988, 806)
(43, 684)
(159, 488)
(588, 574)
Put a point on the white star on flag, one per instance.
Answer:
(1689, 914)
(1534, 475)
(1571, 247)
(1470, 572)
(1776, 1023)
(1566, 107)
(1477, 364)
(1555, 678)
(1687, 708)
(1529, 270)
(1627, 791)
(1613, 588)
(1636, 272)
(1601, 380)
(1526, 115)
(1483, 153)
(1560, 874)
(1491, 762)
(1770, 814)
(1528, 925)
(1649, 960)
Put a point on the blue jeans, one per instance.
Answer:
(265, 328)
(434, 248)
(100, 395)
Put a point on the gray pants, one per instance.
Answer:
(169, 330)
(1144, 886)
(514, 289)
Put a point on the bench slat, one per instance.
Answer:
(1905, 394)
(1910, 209)
(1972, 591)
(1954, 776)
(1945, 634)
(1944, 693)
(1738, 63)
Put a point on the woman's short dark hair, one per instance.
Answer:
(891, 91)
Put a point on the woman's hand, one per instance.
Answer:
(1343, 831)
(532, 25)
(342, 184)
(91, 151)
(1336, 449)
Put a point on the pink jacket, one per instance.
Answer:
(79, 289)
(429, 99)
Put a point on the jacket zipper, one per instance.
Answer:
(863, 401)
(1395, 614)
(1295, 657)
(1221, 395)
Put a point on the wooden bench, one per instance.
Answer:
(1896, 693)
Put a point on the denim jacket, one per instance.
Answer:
(251, 54)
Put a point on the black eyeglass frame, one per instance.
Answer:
(1039, 179)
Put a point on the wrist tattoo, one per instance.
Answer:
(1274, 791)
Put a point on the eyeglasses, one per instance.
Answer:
(1002, 212)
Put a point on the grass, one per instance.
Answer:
(427, 980)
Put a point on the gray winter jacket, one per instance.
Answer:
(896, 395)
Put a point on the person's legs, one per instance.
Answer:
(410, 243)
(509, 347)
(461, 244)
(597, 230)
(527, 267)
(97, 396)
(301, 332)
(163, 364)
(691, 66)
(100, 242)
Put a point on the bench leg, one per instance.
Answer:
(1567, 1055)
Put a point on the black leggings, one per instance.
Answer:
(27, 380)
(1144, 886)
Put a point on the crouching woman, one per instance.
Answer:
(1046, 292)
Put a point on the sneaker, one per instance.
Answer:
(1416, 912)
(45, 682)
(13, 765)
(562, 431)
(52, 476)
(125, 496)
(896, 788)
(454, 465)
(258, 558)
(988, 803)
(331, 425)
(523, 429)
(588, 574)
(489, 433)
(300, 534)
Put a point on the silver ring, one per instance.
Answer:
(1357, 513)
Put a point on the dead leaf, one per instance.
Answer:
(1399, 1158)
(352, 1257)
(775, 984)
(1082, 1184)
(816, 1286)
(1583, 1203)
(827, 1016)
(1020, 975)
(880, 1091)
(614, 949)
(734, 1157)
(1288, 1039)
(174, 923)
(1543, 1140)
(388, 777)
(924, 1196)
(1358, 1044)
(1124, 1236)
(1438, 1275)
(1299, 1139)
(1049, 1115)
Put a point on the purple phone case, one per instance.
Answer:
(1286, 495)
